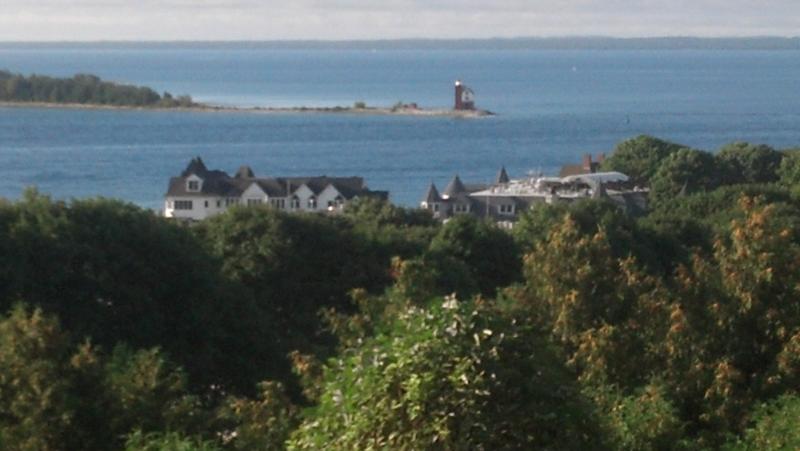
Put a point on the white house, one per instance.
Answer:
(200, 193)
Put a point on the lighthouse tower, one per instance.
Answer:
(465, 97)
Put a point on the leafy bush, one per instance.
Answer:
(453, 376)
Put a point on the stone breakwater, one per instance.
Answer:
(401, 111)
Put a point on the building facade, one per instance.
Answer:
(199, 193)
(505, 199)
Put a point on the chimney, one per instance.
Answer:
(587, 162)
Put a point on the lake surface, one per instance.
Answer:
(553, 106)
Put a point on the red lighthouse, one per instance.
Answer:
(465, 97)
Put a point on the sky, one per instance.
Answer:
(77, 20)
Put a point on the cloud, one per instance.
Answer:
(365, 19)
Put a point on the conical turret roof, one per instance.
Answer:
(454, 188)
(432, 195)
(502, 176)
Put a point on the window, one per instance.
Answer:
(507, 209)
(295, 203)
(183, 205)
(219, 203)
(278, 203)
(436, 207)
(461, 208)
(231, 201)
(251, 202)
(312, 203)
(193, 185)
(206, 204)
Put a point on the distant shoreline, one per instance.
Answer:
(520, 43)
(205, 108)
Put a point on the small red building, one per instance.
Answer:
(465, 97)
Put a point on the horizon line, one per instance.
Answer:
(412, 39)
(543, 43)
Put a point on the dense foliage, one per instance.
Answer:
(583, 328)
(82, 89)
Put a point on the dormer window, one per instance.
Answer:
(193, 184)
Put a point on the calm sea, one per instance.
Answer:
(552, 107)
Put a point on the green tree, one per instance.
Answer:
(263, 423)
(488, 252)
(167, 441)
(35, 407)
(293, 266)
(733, 324)
(117, 273)
(639, 158)
(742, 162)
(56, 395)
(82, 89)
(643, 420)
(789, 171)
(603, 310)
(684, 172)
(774, 427)
(146, 392)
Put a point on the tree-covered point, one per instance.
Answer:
(83, 89)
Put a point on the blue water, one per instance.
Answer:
(552, 107)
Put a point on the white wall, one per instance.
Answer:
(327, 195)
(304, 193)
(199, 210)
(254, 192)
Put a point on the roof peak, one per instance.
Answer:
(432, 195)
(245, 172)
(196, 166)
(454, 187)
(502, 176)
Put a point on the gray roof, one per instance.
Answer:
(432, 195)
(272, 187)
(219, 183)
(454, 187)
(196, 166)
(502, 176)
(245, 172)
(474, 187)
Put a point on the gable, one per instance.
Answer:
(330, 192)
(303, 191)
(254, 191)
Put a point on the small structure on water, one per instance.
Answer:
(465, 97)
